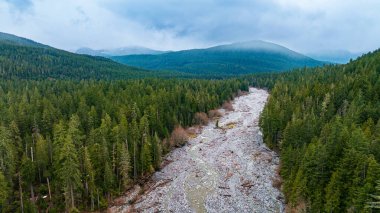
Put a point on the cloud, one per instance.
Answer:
(20, 5)
(172, 24)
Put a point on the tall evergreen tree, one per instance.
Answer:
(68, 172)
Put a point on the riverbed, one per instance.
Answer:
(223, 169)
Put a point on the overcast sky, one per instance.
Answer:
(302, 25)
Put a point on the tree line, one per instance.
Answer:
(325, 122)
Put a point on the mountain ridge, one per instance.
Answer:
(7, 38)
(128, 50)
(26, 59)
(230, 59)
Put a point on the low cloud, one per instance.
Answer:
(305, 26)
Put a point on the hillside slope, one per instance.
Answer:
(326, 124)
(24, 58)
(234, 59)
(6, 38)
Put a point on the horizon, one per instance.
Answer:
(305, 27)
(341, 51)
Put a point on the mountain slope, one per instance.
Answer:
(131, 50)
(10, 39)
(238, 58)
(24, 58)
(325, 122)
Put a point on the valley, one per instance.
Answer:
(85, 133)
(225, 169)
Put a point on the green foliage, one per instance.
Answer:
(325, 122)
(4, 191)
(42, 62)
(375, 204)
(93, 138)
(68, 173)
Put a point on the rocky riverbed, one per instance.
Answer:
(226, 169)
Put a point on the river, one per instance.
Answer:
(226, 169)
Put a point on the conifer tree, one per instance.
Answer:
(124, 165)
(88, 177)
(68, 168)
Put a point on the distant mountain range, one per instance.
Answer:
(26, 59)
(335, 56)
(39, 60)
(131, 50)
(232, 59)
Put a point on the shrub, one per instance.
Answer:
(214, 114)
(201, 118)
(277, 181)
(228, 106)
(178, 137)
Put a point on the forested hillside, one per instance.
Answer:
(66, 145)
(10, 39)
(325, 122)
(37, 61)
(75, 132)
(229, 60)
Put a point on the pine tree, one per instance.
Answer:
(88, 176)
(42, 156)
(124, 164)
(134, 148)
(146, 157)
(74, 131)
(157, 151)
(16, 137)
(108, 179)
(68, 171)
(27, 169)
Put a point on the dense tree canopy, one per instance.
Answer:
(35, 62)
(84, 142)
(75, 132)
(326, 123)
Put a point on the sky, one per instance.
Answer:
(301, 25)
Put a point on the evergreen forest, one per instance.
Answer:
(76, 131)
(325, 123)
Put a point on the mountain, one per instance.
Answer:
(335, 56)
(10, 39)
(89, 51)
(232, 59)
(27, 59)
(131, 50)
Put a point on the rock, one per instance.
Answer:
(235, 171)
